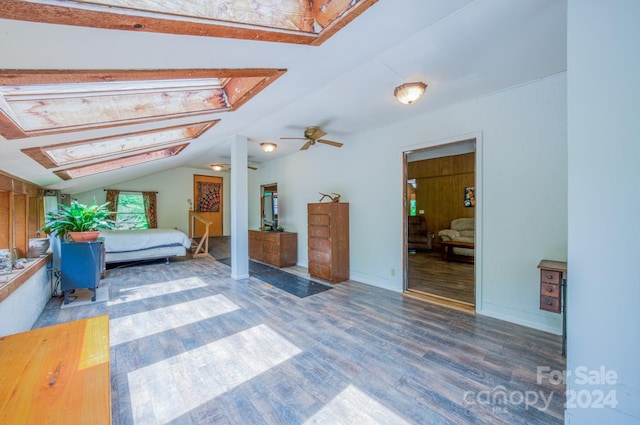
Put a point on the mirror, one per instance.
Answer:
(269, 207)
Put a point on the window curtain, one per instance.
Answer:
(112, 199)
(150, 208)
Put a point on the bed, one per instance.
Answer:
(149, 244)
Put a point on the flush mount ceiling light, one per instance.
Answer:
(268, 147)
(409, 93)
(216, 167)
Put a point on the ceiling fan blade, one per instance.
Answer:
(293, 138)
(317, 134)
(227, 167)
(330, 142)
(306, 146)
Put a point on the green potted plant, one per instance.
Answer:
(78, 222)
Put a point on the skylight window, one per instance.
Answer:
(114, 164)
(45, 102)
(285, 21)
(39, 91)
(70, 153)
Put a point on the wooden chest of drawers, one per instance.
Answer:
(280, 249)
(329, 241)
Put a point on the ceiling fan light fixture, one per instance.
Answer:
(216, 167)
(268, 147)
(409, 93)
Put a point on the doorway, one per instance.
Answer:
(440, 223)
(207, 193)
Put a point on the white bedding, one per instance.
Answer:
(136, 240)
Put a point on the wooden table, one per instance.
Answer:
(57, 375)
(446, 251)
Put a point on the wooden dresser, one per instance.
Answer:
(280, 249)
(329, 241)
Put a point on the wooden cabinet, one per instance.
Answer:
(550, 298)
(329, 241)
(82, 264)
(280, 249)
(553, 283)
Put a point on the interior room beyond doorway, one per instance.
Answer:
(440, 209)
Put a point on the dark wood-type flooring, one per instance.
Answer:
(429, 274)
(190, 345)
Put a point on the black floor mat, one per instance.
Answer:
(288, 282)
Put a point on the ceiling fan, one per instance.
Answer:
(226, 167)
(312, 135)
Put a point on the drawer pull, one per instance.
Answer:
(317, 220)
(549, 303)
(549, 276)
(317, 269)
(317, 231)
(549, 289)
(318, 243)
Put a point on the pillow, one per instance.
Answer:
(448, 234)
(467, 233)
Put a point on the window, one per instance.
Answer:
(131, 212)
(411, 194)
(412, 207)
(34, 102)
(64, 154)
(288, 21)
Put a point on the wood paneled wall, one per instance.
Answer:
(440, 184)
(21, 213)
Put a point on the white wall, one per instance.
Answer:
(174, 187)
(604, 224)
(22, 308)
(523, 198)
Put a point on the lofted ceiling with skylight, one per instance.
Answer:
(287, 21)
(62, 103)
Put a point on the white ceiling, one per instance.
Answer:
(462, 49)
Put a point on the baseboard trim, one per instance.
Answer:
(441, 301)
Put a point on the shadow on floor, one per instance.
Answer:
(288, 282)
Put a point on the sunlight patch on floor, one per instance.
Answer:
(352, 406)
(142, 292)
(166, 390)
(140, 325)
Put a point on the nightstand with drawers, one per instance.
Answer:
(553, 293)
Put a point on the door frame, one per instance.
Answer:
(204, 177)
(478, 212)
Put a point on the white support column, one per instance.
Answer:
(239, 209)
